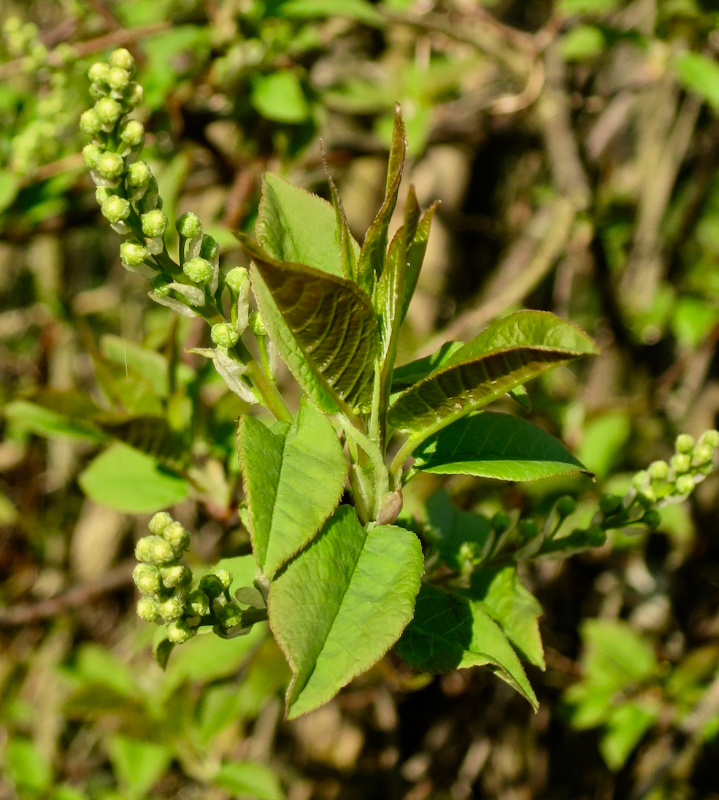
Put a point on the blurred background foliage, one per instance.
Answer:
(574, 146)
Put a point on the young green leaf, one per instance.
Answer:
(452, 528)
(508, 353)
(137, 763)
(293, 480)
(450, 632)
(625, 728)
(339, 605)
(331, 320)
(409, 374)
(500, 446)
(416, 250)
(249, 779)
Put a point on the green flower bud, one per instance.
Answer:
(179, 632)
(685, 484)
(229, 615)
(11, 25)
(658, 470)
(90, 123)
(154, 550)
(161, 286)
(110, 166)
(97, 92)
(108, 110)
(147, 609)
(652, 518)
(189, 225)
(610, 503)
(133, 254)
(154, 223)
(236, 278)
(646, 497)
(116, 209)
(681, 462)
(198, 270)
(711, 438)
(198, 603)
(702, 454)
(641, 479)
(138, 175)
(596, 536)
(123, 59)
(685, 443)
(224, 335)
(98, 72)
(225, 577)
(176, 536)
(177, 575)
(257, 326)
(103, 194)
(132, 133)
(212, 586)
(147, 579)
(565, 506)
(527, 528)
(500, 522)
(159, 522)
(173, 607)
(209, 248)
(118, 79)
(91, 154)
(135, 94)
(143, 549)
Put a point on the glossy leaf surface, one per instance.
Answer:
(339, 605)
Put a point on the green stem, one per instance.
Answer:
(399, 460)
(379, 468)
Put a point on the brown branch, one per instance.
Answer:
(29, 613)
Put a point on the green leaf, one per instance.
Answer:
(359, 10)
(581, 43)
(501, 594)
(371, 260)
(296, 226)
(409, 374)
(293, 480)
(614, 655)
(452, 528)
(161, 650)
(127, 480)
(451, 632)
(624, 730)
(45, 422)
(416, 250)
(249, 779)
(9, 186)
(698, 73)
(339, 605)
(603, 441)
(499, 446)
(508, 353)
(138, 764)
(279, 97)
(96, 665)
(148, 363)
(148, 434)
(331, 320)
(26, 767)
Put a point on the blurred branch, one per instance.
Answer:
(27, 614)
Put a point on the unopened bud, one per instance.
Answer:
(116, 209)
(177, 575)
(610, 503)
(118, 79)
(198, 603)
(641, 479)
(257, 326)
(172, 608)
(647, 497)
(685, 484)
(390, 507)
(154, 223)
(147, 609)
(500, 522)
(161, 286)
(90, 154)
(179, 632)
(224, 335)
(98, 72)
(189, 225)
(681, 462)
(684, 443)
(138, 175)
(110, 166)
(198, 270)
(133, 133)
(123, 59)
(135, 94)
(103, 194)
(90, 123)
(176, 536)
(133, 254)
(159, 522)
(566, 505)
(596, 536)
(229, 615)
(108, 110)
(527, 528)
(147, 579)
(236, 278)
(658, 470)
(711, 438)
(209, 248)
(225, 577)
(702, 454)
(652, 518)
(212, 586)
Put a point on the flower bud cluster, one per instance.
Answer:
(164, 583)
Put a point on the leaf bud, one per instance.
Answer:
(596, 536)
(652, 518)
(176, 575)
(90, 123)
(610, 503)
(685, 484)
(147, 609)
(159, 522)
(138, 174)
(501, 522)
(90, 154)
(684, 443)
(123, 59)
(189, 225)
(236, 278)
(681, 462)
(179, 632)
(173, 607)
(110, 166)
(176, 536)
(108, 110)
(703, 453)
(147, 579)
(527, 528)
(212, 586)
(711, 438)
(132, 133)
(118, 79)
(198, 270)
(135, 94)
(98, 72)
(116, 209)
(566, 505)
(133, 254)
(229, 615)
(198, 603)
(154, 223)
(658, 470)
(257, 326)
(224, 335)
(225, 577)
